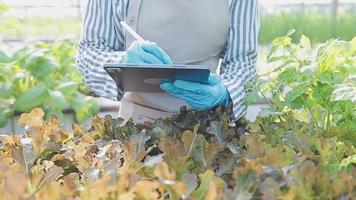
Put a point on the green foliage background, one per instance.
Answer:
(317, 26)
(40, 75)
(43, 75)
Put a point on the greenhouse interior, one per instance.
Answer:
(181, 100)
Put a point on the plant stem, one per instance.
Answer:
(192, 145)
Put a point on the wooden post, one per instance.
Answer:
(78, 8)
(334, 13)
(302, 8)
(334, 7)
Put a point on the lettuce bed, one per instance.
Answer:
(302, 146)
(194, 155)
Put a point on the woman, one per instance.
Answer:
(182, 31)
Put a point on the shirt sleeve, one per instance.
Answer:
(239, 63)
(101, 41)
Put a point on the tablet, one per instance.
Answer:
(147, 77)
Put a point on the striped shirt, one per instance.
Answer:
(102, 41)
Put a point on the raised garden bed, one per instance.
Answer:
(301, 146)
(193, 155)
(106, 106)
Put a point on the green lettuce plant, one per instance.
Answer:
(43, 75)
(313, 84)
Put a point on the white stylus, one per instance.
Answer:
(131, 31)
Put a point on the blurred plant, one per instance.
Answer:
(43, 75)
(317, 26)
(44, 27)
(6, 23)
(312, 84)
(3, 9)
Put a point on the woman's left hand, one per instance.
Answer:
(199, 96)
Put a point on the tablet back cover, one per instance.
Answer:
(147, 78)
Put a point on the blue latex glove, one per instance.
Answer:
(199, 96)
(145, 53)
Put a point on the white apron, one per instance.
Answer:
(190, 31)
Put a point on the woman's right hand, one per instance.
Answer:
(145, 53)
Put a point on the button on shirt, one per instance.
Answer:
(103, 41)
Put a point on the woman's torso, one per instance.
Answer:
(190, 31)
